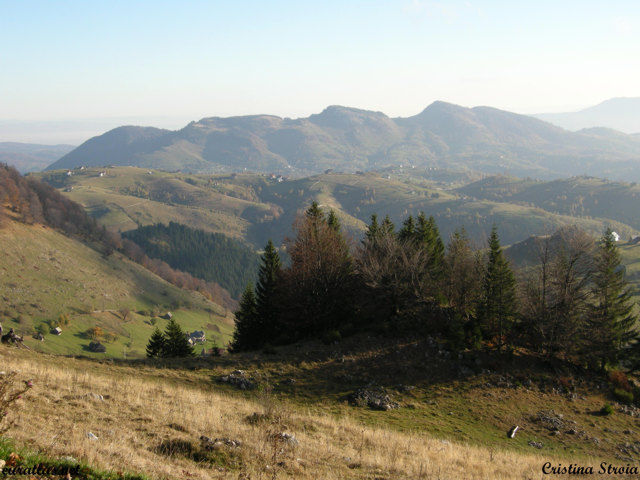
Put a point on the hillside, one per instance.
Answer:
(150, 418)
(578, 196)
(346, 139)
(258, 207)
(46, 274)
(29, 157)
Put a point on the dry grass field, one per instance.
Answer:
(150, 420)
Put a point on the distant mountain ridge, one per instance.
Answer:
(622, 114)
(31, 157)
(347, 139)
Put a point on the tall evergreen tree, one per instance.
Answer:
(387, 225)
(176, 342)
(156, 345)
(373, 230)
(247, 333)
(497, 310)
(266, 300)
(610, 324)
(408, 230)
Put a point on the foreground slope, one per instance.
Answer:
(151, 419)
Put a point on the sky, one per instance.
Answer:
(73, 69)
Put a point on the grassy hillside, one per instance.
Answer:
(577, 196)
(258, 207)
(150, 419)
(45, 274)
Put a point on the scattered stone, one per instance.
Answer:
(91, 436)
(287, 438)
(375, 398)
(535, 444)
(219, 443)
(238, 379)
(289, 381)
(95, 396)
(404, 388)
(549, 419)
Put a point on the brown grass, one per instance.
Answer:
(150, 421)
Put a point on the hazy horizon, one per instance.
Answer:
(92, 63)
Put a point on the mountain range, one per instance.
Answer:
(481, 139)
(622, 114)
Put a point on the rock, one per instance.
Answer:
(535, 444)
(549, 419)
(512, 431)
(238, 380)
(91, 436)
(375, 398)
(219, 443)
(287, 438)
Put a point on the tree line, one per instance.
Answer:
(574, 304)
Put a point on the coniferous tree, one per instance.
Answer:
(387, 225)
(247, 334)
(610, 324)
(176, 342)
(156, 345)
(498, 307)
(373, 230)
(266, 295)
(408, 230)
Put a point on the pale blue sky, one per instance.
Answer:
(165, 63)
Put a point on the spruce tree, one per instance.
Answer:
(610, 324)
(266, 300)
(246, 335)
(387, 225)
(497, 309)
(176, 342)
(408, 230)
(156, 345)
(373, 230)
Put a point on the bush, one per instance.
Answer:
(606, 410)
(619, 381)
(623, 396)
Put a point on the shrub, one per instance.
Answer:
(623, 396)
(619, 381)
(606, 410)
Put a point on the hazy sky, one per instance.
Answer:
(165, 63)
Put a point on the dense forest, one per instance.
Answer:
(210, 256)
(573, 305)
(35, 202)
